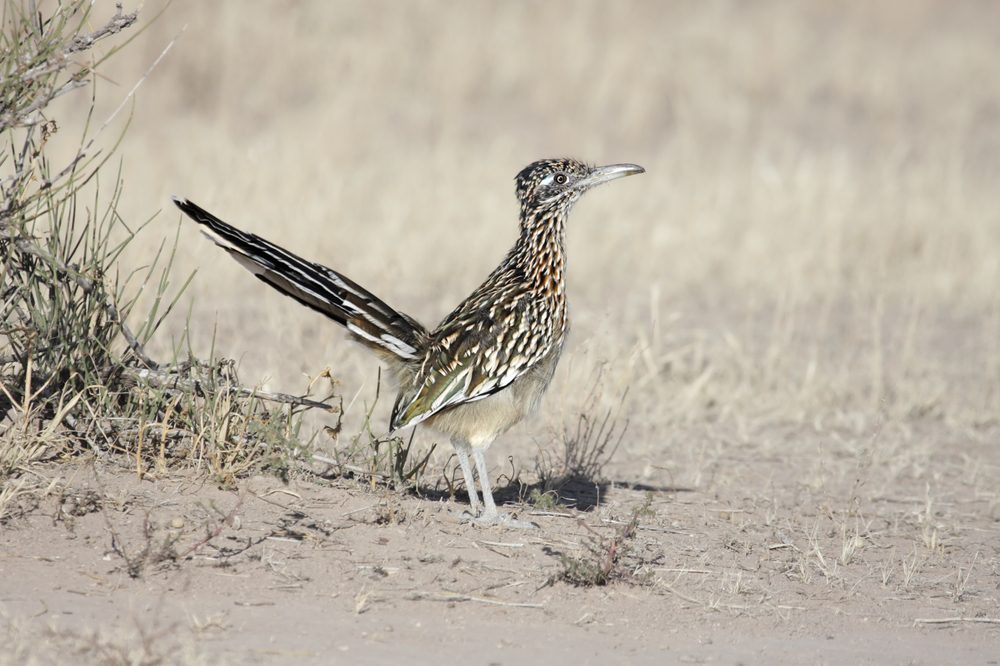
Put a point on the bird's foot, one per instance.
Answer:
(498, 519)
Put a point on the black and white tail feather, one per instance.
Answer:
(395, 336)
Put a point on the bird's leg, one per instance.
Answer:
(462, 450)
(491, 516)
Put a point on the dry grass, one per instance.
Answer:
(585, 447)
(374, 456)
(75, 375)
(606, 558)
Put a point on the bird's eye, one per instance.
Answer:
(560, 179)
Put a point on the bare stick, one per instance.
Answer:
(501, 544)
(350, 468)
(950, 620)
(117, 23)
(649, 528)
(168, 381)
(428, 596)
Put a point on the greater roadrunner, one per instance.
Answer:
(488, 363)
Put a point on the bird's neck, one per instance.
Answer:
(541, 250)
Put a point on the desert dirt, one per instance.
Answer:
(795, 310)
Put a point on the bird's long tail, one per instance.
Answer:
(373, 322)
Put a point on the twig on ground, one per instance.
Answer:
(705, 604)
(648, 528)
(951, 620)
(214, 532)
(501, 544)
(364, 508)
(450, 597)
(690, 571)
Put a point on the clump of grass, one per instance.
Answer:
(74, 373)
(199, 413)
(378, 459)
(543, 500)
(586, 445)
(56, 320)
(605, 559)
(75, 503)
(158, 549)
(160, 544)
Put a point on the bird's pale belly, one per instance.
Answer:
(482, 421)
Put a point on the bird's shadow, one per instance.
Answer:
(5, 406)
(550, 494)
(564, 492)
(572, 492)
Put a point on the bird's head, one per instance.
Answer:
(558, 183)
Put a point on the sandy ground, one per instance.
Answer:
(329, 573)
(796, 308)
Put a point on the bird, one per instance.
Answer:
(487, 365)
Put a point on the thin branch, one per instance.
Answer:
(82, 153)
(211, 534)
(80, 43)
(167, 380)
(117, 23)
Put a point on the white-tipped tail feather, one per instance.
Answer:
(366, 316)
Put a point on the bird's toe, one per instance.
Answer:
(502, 519)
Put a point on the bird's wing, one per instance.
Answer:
(475, 353)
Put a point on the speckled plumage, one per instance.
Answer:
(488, 363)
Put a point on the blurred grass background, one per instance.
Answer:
(815, 244)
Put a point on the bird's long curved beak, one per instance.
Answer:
(603, 174)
